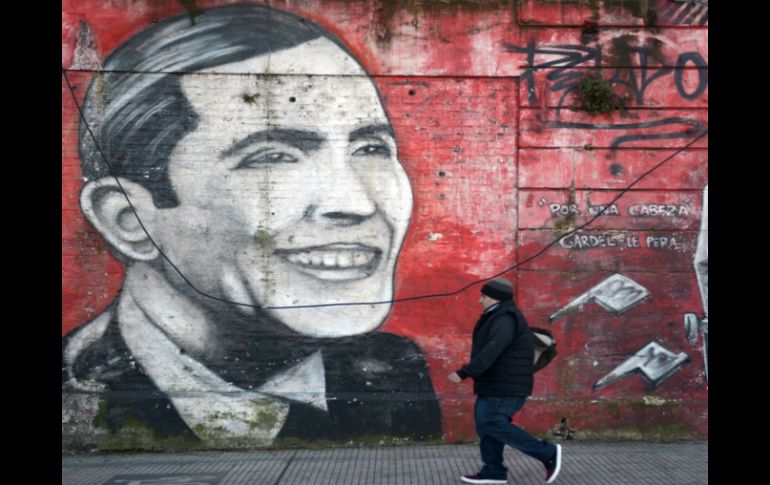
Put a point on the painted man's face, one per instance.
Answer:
(290, 189)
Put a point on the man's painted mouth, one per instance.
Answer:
(334, 262)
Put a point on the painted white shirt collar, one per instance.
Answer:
(207, 403)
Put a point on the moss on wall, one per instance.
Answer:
(192, 9)
(135, 436)
(385, 11)
(644, 9)
(663, 433)
(597, 96)
(565, 224)
(361, 441)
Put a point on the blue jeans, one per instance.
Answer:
(494, 427)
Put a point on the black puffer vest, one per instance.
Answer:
(510, 374)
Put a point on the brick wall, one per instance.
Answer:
(501, 159)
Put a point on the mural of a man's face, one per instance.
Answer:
(290, 190)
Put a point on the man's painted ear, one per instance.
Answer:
(106, 207)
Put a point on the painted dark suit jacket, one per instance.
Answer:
(377, 384)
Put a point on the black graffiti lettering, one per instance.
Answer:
(626, 75)
(678, 134)
(695, 129)
(623, 126)
(569, 56)
(637, 86)
(566, 78)
(703, 74)
(566, 82)
(529, 74)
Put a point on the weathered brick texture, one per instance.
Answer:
(501, 160)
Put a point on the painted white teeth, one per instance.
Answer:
(359, 258)
(332, 259)
(345, 259)
(329, 260)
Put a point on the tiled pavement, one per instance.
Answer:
(585, 463)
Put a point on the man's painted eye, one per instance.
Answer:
(265, 158)
(373, 150)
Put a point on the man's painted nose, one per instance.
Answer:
(343, 197)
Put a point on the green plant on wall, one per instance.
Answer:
(598, 97)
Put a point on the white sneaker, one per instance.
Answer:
(477, 479)
(553, 468)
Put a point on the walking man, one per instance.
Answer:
(501, 366)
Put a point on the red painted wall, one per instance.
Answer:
(496, 157)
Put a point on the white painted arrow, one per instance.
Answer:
(654, 362)
(617, 294)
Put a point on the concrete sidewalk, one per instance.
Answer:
(586, 463)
